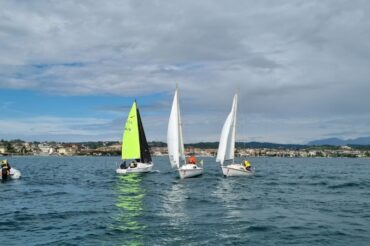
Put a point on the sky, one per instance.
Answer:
(70, 70)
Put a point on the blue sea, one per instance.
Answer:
(81, 201)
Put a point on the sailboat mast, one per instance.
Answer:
(234, 123)
(181, 140)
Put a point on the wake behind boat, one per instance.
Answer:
(135, 146)
(175, 144)
(226, 147)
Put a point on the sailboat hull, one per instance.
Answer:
(14, 174)
(141, 168)
(235, 170)
(190, 171)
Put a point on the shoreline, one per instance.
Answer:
(198, 156)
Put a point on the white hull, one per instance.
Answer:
(235, 170)
(14, 174)
(189, 171)
(141, 168)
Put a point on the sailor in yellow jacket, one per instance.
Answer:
(247, 165)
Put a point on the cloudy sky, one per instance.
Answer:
(69, 70)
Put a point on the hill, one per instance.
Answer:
(340, 142)
(255, 145)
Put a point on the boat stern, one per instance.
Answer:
(235, 170)
(190, 171)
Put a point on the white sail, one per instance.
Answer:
(175, 143)
(226, 146)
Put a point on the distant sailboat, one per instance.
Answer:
(175, 143)
(134, 145)
(226, 146)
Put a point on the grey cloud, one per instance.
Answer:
(295, 59)
(158, 106)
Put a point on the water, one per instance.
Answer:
(81, 201)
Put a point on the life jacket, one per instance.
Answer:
(5, 172)
(192, 160)
(133, 164)
(247, 164)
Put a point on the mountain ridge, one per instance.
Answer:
(340, 142)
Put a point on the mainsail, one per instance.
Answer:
(144, 147)
(175, 142)
(134, 143)
(226, 146)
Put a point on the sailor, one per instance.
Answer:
(247, 165)
(133, 164)
(123, 165)
(5, 169)
(192, 160)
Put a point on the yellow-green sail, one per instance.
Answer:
(131, 141)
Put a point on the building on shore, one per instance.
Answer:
(67, 151)
(3, 150)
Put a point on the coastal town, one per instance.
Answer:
(113, 148)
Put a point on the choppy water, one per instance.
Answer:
(81, 201)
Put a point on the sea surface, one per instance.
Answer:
(81, 201)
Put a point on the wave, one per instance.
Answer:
(260, 228)
(320, 183)
(58, 193)
(349, 185)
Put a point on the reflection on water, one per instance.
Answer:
(174, 206)
(228, 190)
(228, 194)
(130, 204)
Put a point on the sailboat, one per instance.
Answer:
(134, 145)
(13, 173)
(175, 143)
(226, 146)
